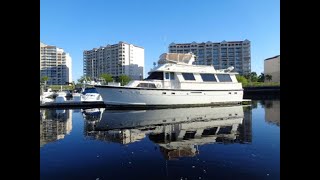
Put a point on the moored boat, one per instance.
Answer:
(176, 82)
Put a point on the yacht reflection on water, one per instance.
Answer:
(93, 114)
(54, 125)
(178, 132)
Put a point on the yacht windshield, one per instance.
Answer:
(90, 90)
(156, 75)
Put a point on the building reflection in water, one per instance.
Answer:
(272, 111)
(178, 132)
(54, 125)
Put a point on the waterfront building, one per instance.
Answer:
(117, 59)
(56, 64)
(272, 67)
(219, 54)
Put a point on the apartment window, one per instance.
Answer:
(208, 77)
(224, 77)
(188, 76)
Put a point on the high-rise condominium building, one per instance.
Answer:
(219, 54)
(116, 59)
(55, 64)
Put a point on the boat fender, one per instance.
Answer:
(158, 85)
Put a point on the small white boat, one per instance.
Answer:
(91, 95)
(76, 97)
(92, 113)
(61, 97)
(88, 93)
(61, 93)
(48, 93)
(176, 82)
(44, 100)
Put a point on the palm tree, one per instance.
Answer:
(261, 77)
(268, 77)
(45, 79)
(84, 78)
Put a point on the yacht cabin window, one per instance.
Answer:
(90, 90)
(156, 75)
(188, 76)
(224, 77)
(147, 85)
(172, 75)
(167, 75)
(208, 77)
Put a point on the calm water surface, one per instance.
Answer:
(235, 142)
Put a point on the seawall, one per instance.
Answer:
(262, 92)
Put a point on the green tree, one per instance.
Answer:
(253, 77)
(268, 77)
(83, 78)
(242, 80)
(106, 77)
(247, 76)
(73, 85)
(261, 77)
(124, 79)
(44, 80)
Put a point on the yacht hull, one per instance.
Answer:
(91, 97)
(144, 97)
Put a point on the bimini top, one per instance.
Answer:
(176, 58)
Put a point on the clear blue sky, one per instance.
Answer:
(77, 25)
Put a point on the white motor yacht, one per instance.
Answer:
(176, 82)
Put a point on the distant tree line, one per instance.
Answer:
(247, 79)
(105, 78)
(253, 78)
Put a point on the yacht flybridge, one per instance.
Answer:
(177, 82)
